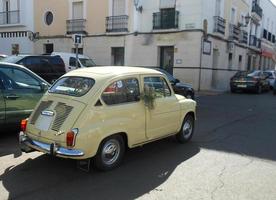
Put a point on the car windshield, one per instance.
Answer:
(13, 59)
(72, 86)
(87, 62)
(169, 76)
(247, 73)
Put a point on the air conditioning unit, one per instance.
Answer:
(230, 47)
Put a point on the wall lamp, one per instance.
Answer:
(247, 20)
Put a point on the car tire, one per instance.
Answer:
(233, 90)
(189, 95)
(187, 129)
(110, 153)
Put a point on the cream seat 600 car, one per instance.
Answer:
(99, 112)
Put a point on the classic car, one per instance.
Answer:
(97, 113)
(20, 91)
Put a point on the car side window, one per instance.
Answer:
(122, 91)
(72, 62)
(159, 85)
(18, 79)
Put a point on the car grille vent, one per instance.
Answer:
(62, 112)
(42, 106)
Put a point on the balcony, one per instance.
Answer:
(254, 41)
(219, 26)
(75, 26)
(257, 11)
(243, 37)
(117, 23)
(166, 19)
(234, 32)
(10, 17)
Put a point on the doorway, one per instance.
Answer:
(167, 58)
(118, 56)
(48, 48)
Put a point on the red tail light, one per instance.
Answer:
(71, 137)
(24, 123)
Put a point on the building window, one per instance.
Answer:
(48, 48)
(118, 56)
(80, 50)
(230, 60)
(77, 10)
(265, 34)
(240, 62)
(49, 18)
(15, 49)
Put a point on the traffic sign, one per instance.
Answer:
(77, 39)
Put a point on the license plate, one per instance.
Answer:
(241, 86)
(43, 123)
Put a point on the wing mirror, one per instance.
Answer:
(43, 87)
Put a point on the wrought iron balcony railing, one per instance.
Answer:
(76, 26)
(219, 25)
(244, 37)
(257, 9)
(254, 41)
(168, 19)
(117, 23)
(234, 32)
(10, 17)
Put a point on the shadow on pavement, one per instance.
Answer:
(9, 143)
(143, 170)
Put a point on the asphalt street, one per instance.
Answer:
(232, 156)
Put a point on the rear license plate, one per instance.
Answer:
(44, 122)
(242, 86)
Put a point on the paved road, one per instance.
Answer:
(232, 156)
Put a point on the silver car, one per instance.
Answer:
(271, 74)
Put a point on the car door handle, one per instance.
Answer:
(12, 97)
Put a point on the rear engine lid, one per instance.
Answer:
(53, 118)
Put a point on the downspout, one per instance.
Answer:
(200, 62)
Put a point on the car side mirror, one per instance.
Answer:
(177, 81)
(43, 87)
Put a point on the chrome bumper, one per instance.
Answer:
(28, 145)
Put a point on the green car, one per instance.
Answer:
(20, 90)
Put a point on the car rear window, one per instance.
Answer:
(72, 86)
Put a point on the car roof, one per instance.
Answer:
(68, 54)
(4, 64)
(111, 71)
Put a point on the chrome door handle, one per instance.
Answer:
(12, 97)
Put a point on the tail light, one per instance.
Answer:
(71, 137)
(24, 123)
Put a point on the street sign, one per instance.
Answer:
(77, 39)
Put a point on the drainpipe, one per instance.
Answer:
(200, 62)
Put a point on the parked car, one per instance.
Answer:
(2, 56)
(69, 60)
(49, 68)
(98, 112)
(20, 90)
(271, 77)
(183, 89)
(255, 81)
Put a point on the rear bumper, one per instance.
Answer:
(28, 145)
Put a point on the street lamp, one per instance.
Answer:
(138, 8)
(247, 20)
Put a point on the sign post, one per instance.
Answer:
(78, 41)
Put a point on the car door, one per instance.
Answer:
(2, 101)
(21, 92)
(163, 118)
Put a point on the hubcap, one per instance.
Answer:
(187, 129)
(111, 152)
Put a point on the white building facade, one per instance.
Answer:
(16, 27)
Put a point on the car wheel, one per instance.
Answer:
(233, 90)
(189, 95)
(187, 129)
(110, 153)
